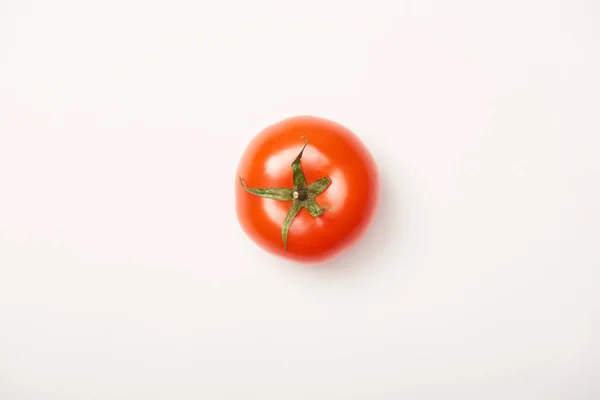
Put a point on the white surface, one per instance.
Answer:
(124, 274)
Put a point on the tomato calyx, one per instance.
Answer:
(302, 195)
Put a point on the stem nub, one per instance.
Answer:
(300, 194)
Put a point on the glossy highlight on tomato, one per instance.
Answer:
(306, 189)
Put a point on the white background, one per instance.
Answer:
(124, 273)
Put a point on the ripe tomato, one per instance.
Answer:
(306, 189)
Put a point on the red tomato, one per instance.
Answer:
(307, 189)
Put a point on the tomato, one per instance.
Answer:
(306, 189)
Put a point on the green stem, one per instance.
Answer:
(301, 194)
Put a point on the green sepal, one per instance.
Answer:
(299, 179)
(314, 209)
(283, 194)
(287, 222)
(319, 186)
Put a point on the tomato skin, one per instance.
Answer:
(332, 151)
